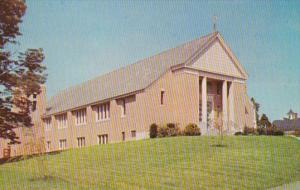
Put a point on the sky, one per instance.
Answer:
(84, 39)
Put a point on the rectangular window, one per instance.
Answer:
(123, 107)
(133, 134)
(48, 145)
(102, 111)
(61, 120)
(123, 136)
(246, 111)
(80, 117)
(103, 139)
(162, 93)
(81, 141)
(62, 144)
(47, 123)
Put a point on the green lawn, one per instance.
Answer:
(168, 163)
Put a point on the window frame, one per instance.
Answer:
(102, 139)
(48, 123)
(246, 111)
(62, 142)
(48, 145)
(133, 134)
(80, 117)
(123, 107)
(123, 136)
(60, 119)
(80, 142)
(162, 97)
(102, 112)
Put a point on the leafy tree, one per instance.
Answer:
(21, 73)
(256, 106)
(263, 125)
(264, 121)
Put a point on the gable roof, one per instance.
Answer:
(227, 50)
(131, 78)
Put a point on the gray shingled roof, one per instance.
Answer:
(287, 124)
(125, 80)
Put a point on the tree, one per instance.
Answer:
(263, 125)
(218, 123)
(256, 106)
(21, 73)
(264, 121)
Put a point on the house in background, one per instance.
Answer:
(291, 123)
(199, 82)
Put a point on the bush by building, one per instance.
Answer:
(173, 130)
(153, 130)
(273, 130)
(168, 130)
(191, 130)
(278, 133)
(261, 131)
(249, 131)
(162, 131)
(239, 133)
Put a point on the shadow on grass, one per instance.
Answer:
(47, 178)
(20, 158)
(219, 145)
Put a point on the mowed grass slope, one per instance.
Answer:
(168, 163)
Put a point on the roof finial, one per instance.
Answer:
(214, 20)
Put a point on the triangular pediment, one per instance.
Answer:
(217, 58)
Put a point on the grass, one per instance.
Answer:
(170, 163)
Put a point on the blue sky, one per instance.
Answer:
(84, 39)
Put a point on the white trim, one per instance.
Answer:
(218, 76)
(233, 57)
(239, 81)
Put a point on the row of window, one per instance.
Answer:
(102, 112)
(102, 139)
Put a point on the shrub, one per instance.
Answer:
(173, 129)
(168, 130)
(278, 133)
(191, 130)
(270, 130)
(162, 131)
(249, 130)
(261, 131)
(153, 130)
(238, 133)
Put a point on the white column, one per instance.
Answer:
(231, 108)
(224, 105)
(204, 103)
